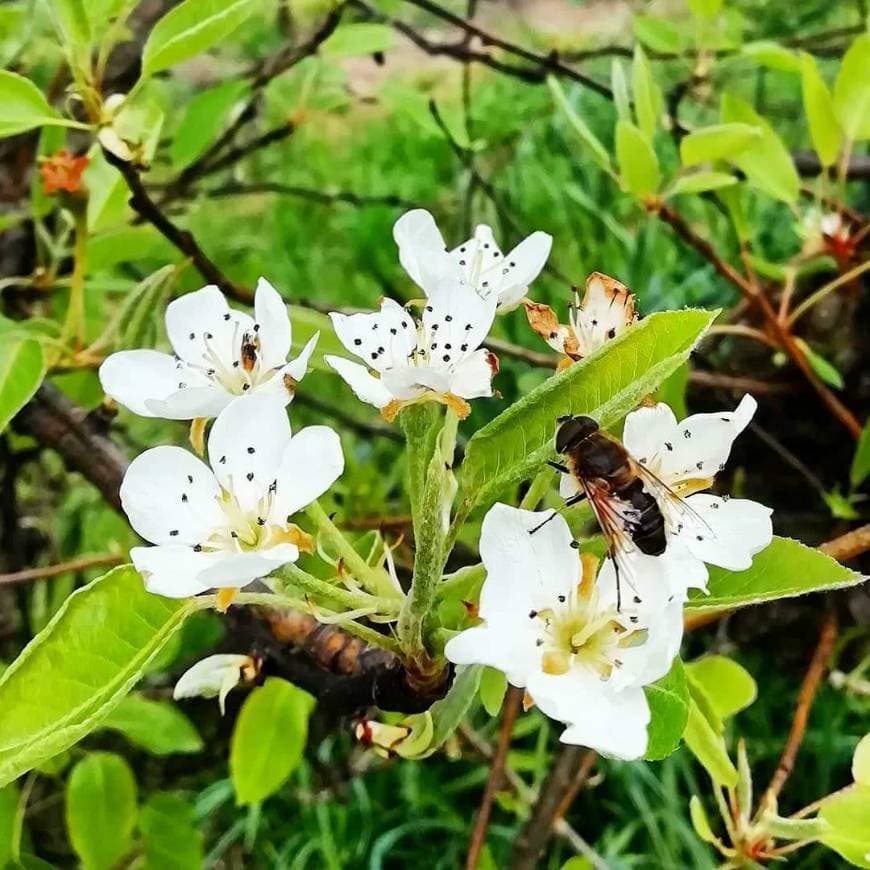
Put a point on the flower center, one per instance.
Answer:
(244, 531)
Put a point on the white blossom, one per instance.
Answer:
(686, 456)
(478, 263)
(438, 358)
(226, 526)
(215, 677)
(220, 353)
(558, 634)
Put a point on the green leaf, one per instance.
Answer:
(137, 324)
(734, 200)
(784, 569)
(306, 323)
(638, 164)
(596, 150)
(700, 822)
(825, 129)
(158, 727)
(852, 90)
(707, 745)
(729, 687)
(101, 809)
(72, 23)
(353, 40)
(22, 368)
(25, 107)
(659, 34)
(647, 97)
(8, 822)
(605, 385)
(619, 86)
(767, 163)
(700, 182)
(847, 814)
(861, 761)
(717, 142)
(669, 707)
(203, 117)
(449, 711)
(493, 686)
(269, 739)
(705, 8)
(172, 841)
(821, 366)
(772, 55)
(75, 671)
(191, 28)
(861, 460)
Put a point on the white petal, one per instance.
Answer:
(422, 252)
(508, 646)
(172, 570)
(648, 431)
(131, 377)
(299, 366)
(246, 445)
(476, 257)
(170, 497)
(383, 339)
(213, 676)
(240, 569)
(729, 533)
(607, 310)
(190, 402)
(459, 317)
(518, 268)
(311, 463)
(612, 723)
(412, 381)
(364, 385)
(472, 377)
(525, 570)
(702, 442)
(568, 485)
(201, 324)
(270, 313)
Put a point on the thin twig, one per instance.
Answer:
(806, 696)
(326, 197)
(73, 566)
(510, 709)
(736, 383)
(820, 294)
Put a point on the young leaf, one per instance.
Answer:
(8, 822)
(659, 34)
(784, 569)
(269, 739)
(861, 761)
(861, 460)
(605, 386)
(638, 164)
(847, 814)
(852, 90)
(700, 182)
(772, 55)
(74, 27)
(75, 671)
(822, 367)
(306, 323)
(729, 687)
(203, 117)
(158, 727)
(668, 700)
(449, 711)
(136, 321)
(619, 86)
(493, 686)
(767, 163)
(819, 108)
(707, 745)
(596, 150)
(718, 142)
(172, 841)
(101, 809)
(191, 28)
(705, 8)
(22, 368)
(647, 97)
(353, 40)
(25, 106)
(700, 822)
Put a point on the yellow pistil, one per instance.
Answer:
(225, 598)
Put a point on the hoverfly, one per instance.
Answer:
(628, 500)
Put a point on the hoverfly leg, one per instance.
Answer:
(575, 499)
(559, 467)
(618, 587)
(541, 525)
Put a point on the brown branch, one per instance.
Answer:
(736, 383)
(848, 546)
(567, 776)
(73, 566)
(324, 197)
(183, 240)
(807, 163)
(756, 298)
(511, 708)
(806, 696)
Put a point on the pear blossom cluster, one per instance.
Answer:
(551, 617)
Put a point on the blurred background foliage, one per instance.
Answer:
(312, 210)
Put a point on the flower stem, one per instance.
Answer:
(331, 595)
(420, 425)
(74, 325)
(375, 579)
(537, 489)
